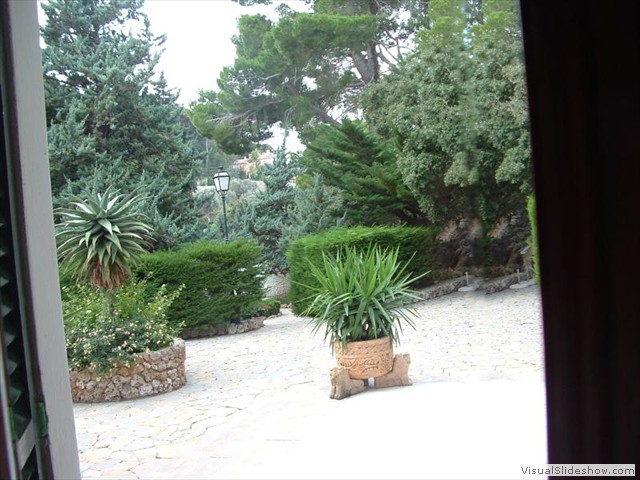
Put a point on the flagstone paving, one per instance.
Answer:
(256, 405)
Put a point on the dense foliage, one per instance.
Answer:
(533, 239)
(364, 170)
(457, 111)
(267, 307)
(109, 318)
(412, 112)
(318, 208)
(268, 215)
(436, 135)
(111, 118)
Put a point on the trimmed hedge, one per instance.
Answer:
(533, 238)
(421, 243)
(223, 281)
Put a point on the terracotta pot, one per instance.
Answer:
(366, 359)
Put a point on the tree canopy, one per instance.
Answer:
(457, 111)
(305, 68)
(428, 135)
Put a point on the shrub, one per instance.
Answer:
(268, 307)
(101, 340)
(415, 245)
(109, 319)
(223, 281)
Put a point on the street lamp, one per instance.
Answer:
(221, 182)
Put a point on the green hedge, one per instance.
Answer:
(421, 243)
(533, 239)
(223, 281)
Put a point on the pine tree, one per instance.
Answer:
(318, 207)
(270, 214)
(364, 170)
(305, 68)
(111, 118)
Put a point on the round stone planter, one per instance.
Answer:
(154, 372)
(366, 359)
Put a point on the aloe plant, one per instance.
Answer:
(363, 295)
(100, 238)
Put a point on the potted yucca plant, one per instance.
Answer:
(362, 299)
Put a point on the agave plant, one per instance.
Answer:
(101, 237)
(362, 295)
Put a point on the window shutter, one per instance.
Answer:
(27, 430)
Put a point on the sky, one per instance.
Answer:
(198, 42)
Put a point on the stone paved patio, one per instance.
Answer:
(256, 405)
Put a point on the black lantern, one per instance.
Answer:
(221, 181)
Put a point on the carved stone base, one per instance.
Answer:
(343, 386)
(399, 374)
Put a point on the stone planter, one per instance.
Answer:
(154, 372)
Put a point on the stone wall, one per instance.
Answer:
(224, 329)
(443, 288)
(155, 372)
(501, 283)
(487, 286)
(277, 286)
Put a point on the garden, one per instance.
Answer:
(415, 130)
(127, 312)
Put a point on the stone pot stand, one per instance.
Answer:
(342, 385)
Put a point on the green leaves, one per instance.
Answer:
(304, 68)
(100, 237)
(362, 295)
(269, 216)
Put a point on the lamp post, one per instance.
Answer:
(221, 181)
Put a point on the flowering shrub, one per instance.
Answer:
(102, 341)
